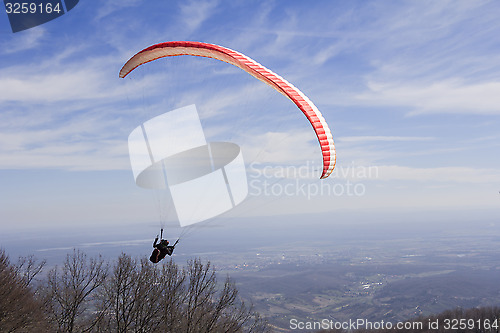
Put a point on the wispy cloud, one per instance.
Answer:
(110, 6)
(383, 138)
(121, 243)
(451, 96)
(195, 12)
(444, 174)
(27, 40)
(282, 148)
(79, 80)
(62, 148)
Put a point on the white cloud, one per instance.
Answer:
(22, 41)
(225, 99)
(382, 138)
(282, 148)
(92, 79)
(80, 145)
(110, 6)
(196, 12)
(443, 174)
(449, 96)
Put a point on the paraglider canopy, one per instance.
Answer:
(177, 48)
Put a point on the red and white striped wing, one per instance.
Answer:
(252, 67)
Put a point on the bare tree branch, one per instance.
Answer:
(68, 290)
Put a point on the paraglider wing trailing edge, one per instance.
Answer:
(255, 69)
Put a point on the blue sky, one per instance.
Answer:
(410, 89)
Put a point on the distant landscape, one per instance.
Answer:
(389, 272)
(375, 289)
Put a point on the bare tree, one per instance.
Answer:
(234, 315)
(208, 309)
(69, 290)
(140, 297)
(172, 286)
(80, 296)
(130, 298)
(19, 310)
(29, 267)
